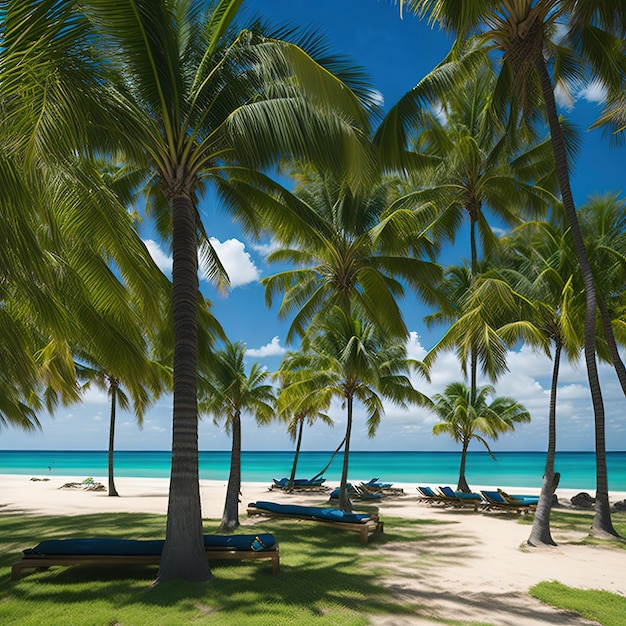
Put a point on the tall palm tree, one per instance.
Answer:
(469, 163)
(347, 247)
(350, 359)
(473, 165)
(183, 94)
(538, 261)
(466, 417)
(226, 392)
(576, 39)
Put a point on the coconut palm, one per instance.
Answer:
(473, 165)
(185, 95)
(350, 359)
(226, 392)
(466, 417)
(297, 406)
(538, 261)
(573, 39)
(348, 248)
(476, 308)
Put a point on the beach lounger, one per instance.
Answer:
(109, 551)
(299, 484)
(462, 499)
(428, 495)
(495, 500)
(385, 489)
(365, 524)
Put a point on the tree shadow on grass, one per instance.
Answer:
(326, 573)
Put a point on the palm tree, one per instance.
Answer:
(226, 392)
(539, 262)
(466, 416)
(578, 39)
(297, 406)
(469, 163)
(472, 164)
(182, 94)
(350, 359)
(347, 247)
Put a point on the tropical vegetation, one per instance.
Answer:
(226, 391)
(467, 416)
(117, 110)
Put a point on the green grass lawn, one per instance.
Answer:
(327, 576)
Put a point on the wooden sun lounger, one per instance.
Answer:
(41, 562)
(365, 529)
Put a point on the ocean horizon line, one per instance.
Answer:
(221, 450)
(510, 468)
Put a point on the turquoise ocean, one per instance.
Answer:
(516, 469)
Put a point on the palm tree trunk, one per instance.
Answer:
(183, 553)
(540, 534)
(344, 500)
(602, 524)
(230, 518)
(113, 390)
(616, 359)
(463, 486)
(296, 454)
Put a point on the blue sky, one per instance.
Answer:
(396, 54)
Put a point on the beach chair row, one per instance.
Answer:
(485, 500)
(109, 551)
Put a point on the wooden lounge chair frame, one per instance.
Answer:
(365, 529)
(40, 562)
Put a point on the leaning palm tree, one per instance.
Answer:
(466, 417)
(181, 93)
(350, 359)
(572, 39)
(226, 392)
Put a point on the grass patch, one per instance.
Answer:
(603, 607)
(327, 577)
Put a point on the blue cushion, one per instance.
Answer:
(335, 515)
(143, 547)
(101, 546)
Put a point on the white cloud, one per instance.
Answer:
(163, 260)
(273, 348)
(236, 261)
(93, 395)
(594, 92)
(414, 348)
(265, 248)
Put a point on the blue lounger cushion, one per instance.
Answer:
(98, 546)
(322, 513)
(144, 547)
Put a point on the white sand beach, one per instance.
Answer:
(474, 566)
